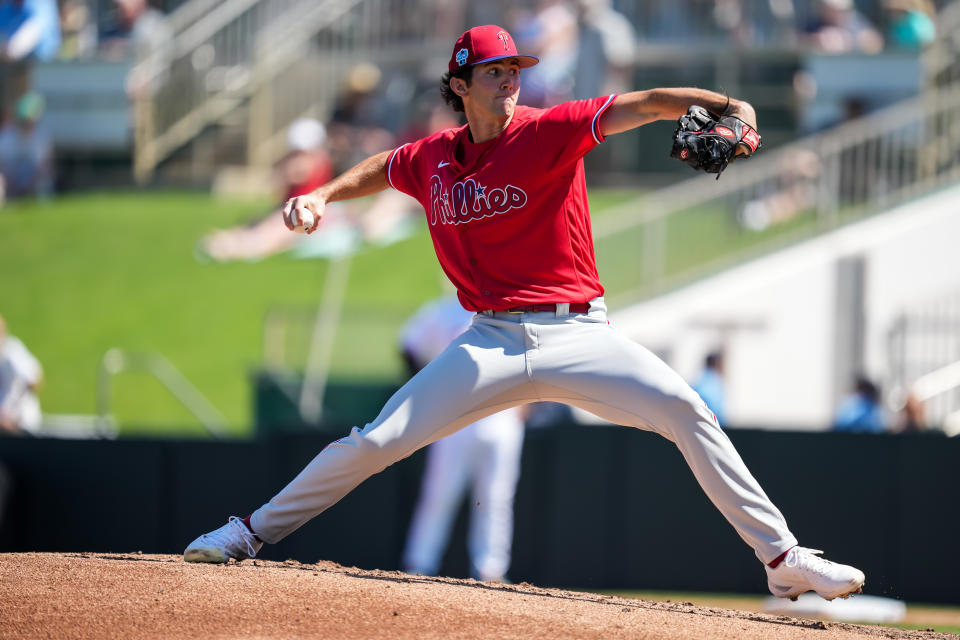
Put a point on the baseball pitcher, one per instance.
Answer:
(506, 203)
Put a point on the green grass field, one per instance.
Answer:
(84, 273)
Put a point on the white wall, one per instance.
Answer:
(780, 357)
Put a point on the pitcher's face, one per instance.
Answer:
(495, 87)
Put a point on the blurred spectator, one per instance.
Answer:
(605, 50)
(446, 17)
(551, 35)
(20, 376)
(29, 31)
(305, 167)
(677, 21)
(861, 411)
(709, 385)
(840, 28)
(355, 128)
(136, 28)
(138, 33)
(732, 20)
(430, 114)
(26, 152)
(78, 31)
(484, 455)
(912, 418)
(910, 23)
(784, 15)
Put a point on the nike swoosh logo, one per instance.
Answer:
(442, 165)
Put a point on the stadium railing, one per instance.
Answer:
(244, 53)
(116, 361)
(923, 344)
(856, 169)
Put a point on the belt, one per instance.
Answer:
(575, 307)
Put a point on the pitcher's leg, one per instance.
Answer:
(463, 384)
(620, 381)
(721, 473)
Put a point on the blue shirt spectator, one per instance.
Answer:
(861, 410)
(709, 386)
(29, 29)
(911, 24)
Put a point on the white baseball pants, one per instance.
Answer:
(485, 457)
(505, 359)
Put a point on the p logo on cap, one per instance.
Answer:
(486, 44)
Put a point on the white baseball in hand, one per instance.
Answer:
(303, 220)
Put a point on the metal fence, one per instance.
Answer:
(924, 353)
(246, 53)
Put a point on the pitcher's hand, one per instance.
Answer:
(293, 207)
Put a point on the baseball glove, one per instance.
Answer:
(709, 143)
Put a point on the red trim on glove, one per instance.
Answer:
(750, 137)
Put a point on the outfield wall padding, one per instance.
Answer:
(597, 507)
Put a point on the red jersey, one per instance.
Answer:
(509, 217)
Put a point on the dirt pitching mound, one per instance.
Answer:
(134, 596)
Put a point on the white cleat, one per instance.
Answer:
(232, 540)
(804, 570)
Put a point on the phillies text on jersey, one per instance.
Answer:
(467, 201)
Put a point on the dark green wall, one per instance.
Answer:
(597, 507)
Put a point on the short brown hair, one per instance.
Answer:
(451, 98)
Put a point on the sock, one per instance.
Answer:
(246, 523)
(776, 561)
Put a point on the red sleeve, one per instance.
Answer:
(568, 131)
(401, 171)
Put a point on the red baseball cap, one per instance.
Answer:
(486, 44)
